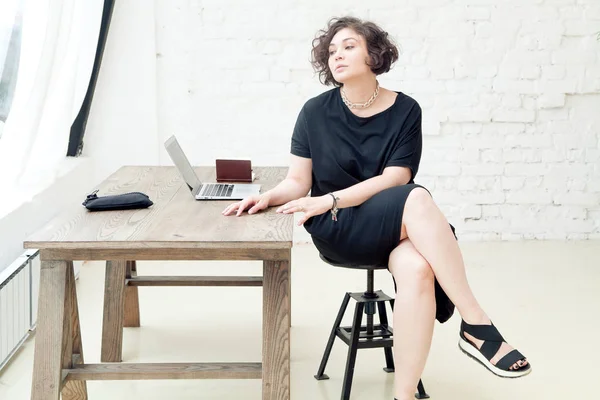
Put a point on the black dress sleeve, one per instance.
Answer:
(300, 145)
(407, 151)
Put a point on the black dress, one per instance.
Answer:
(347, 149)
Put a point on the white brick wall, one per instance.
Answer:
(510, 91)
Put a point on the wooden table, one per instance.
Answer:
(176, 227)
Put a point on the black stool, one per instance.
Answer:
(359, 336)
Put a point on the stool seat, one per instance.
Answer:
(353, 266)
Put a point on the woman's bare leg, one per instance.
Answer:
(431, 235)
(414, 316)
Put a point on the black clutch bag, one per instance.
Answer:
(125, 201)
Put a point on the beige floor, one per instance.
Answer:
(544, 296)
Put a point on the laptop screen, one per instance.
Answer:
(183, 164)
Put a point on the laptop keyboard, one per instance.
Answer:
(218, 190)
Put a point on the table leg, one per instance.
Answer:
(276, 330)
(74, 390)
(58, 337)
(114, 304)
(290, 295)
(132, 303)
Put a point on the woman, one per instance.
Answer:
(357, 149)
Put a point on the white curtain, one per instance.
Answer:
(9, 17)
(59, 41)
(8, 12)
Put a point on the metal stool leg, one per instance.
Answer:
(352, 350)
(320, 374)
(389, 359)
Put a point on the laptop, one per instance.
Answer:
(206, 191)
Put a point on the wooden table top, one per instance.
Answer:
(175, 221)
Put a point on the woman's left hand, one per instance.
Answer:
(310, 206)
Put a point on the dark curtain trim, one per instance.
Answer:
(79, 125)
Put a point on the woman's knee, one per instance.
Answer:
(410, 268)
(419, 200)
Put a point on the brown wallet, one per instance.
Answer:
(234, 170)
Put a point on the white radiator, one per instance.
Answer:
(19, 285)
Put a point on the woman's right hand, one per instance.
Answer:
(255, 203)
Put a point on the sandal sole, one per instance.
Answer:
(474, 353)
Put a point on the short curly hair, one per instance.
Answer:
(382, 51)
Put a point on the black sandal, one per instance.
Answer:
(492, 342)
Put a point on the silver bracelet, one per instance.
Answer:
(334, 209)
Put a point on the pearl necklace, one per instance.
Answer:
(360, 105)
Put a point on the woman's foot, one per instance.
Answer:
(496, 355)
